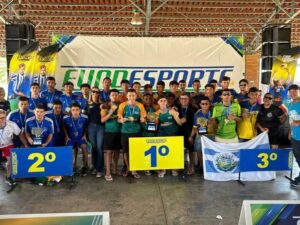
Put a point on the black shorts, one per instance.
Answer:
(125, 140)
(187, 144)
(112, 141)
(274, 139)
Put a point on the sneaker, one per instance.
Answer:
(148, 173)
(161, 174)
(94, 172)
(295, 183)
(84, 171)
(98, 175)
(10, 181)
(174, 173)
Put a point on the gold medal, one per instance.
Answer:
(130, 118)
(226, 121)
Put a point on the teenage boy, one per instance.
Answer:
(39, 129)
(243, 95)
(131, 114)
(51, 94)
(137, 87)
(182, 86)
(294, 119)
(56, 115)
(173, 85)
(75, 129)
(125, 87)
(209, 92)
(226, 114)
(7, 130)
(83, 97)
(186, 115)
(148, 89)
(225, 81)
(196, 95)
(160, 90)
(68, 98)
(35, 98)
(104, 94)
(112, 135)
(246, 128)
(4, 104)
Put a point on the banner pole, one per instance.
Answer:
(291, 172)
(239, 180)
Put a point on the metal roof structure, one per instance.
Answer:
(160, 18)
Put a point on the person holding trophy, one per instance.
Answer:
(39, 129)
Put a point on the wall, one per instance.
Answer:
(252, 68)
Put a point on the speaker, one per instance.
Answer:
(275, 48)
(266, 77)
(17, 36)
(266, 63)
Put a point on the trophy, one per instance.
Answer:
(37, 139)
(151, 125)
(202, 129)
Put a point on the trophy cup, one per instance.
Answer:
(202, 129)
(151, 125)
(37, 139)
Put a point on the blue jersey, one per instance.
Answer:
(57, 123)
(104, 96)
(51, 97)
(33, 102)
(67, 101)
(242, 97)
(76, 127)
(294, 114)
(19, 118)
(83, 104)
(46, 125)
(250, 108)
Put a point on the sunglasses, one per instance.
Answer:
(270, 98)
(95, 92)
(226, 94)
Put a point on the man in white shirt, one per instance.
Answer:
(7, 131)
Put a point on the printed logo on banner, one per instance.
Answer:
(225, 162)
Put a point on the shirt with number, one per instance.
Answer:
(134, 113)
(34, 102)
(46, 126)
(166, 123)
(7, 132)
(19, 118)
(75, 126)
(246, 127)
(294, 115)
(226, 129)
(51, 97)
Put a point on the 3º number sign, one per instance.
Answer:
(41, 162)
(156, 153)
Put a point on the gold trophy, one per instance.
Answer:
(202, 129)
(151, 126)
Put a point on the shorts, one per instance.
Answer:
(112, 141)
(76, 142)
(125, 140)
(6, 150)
(274, 139)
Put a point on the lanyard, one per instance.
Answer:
(52, 96)
(206, 116)
(21, 120)
(228, 111)
(34, 101)
(184, 111)
(37, 124)
(105, 96)
(57, 123)
(75, 127)
(131, 110)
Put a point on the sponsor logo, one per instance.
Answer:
(94, 75)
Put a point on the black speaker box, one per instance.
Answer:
(266, 63)
(266, 77)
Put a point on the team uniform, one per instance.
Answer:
(200, 122)
(67, 101)
(83, 102)
(246, 128)
(6, 137)
(51, 97)
(242, 97)
(58, 136)
(46, 125)
(19, 118)
(112, 135)
(167, 125)
(104, 96)
(34, 102)
(76, 129)
(130, 128)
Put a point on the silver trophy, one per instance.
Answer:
(37, 133)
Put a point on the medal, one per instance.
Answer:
(50, 105)
(75, 134)
(226, 121)
(113, 107)
(130, 118)
(68, 109)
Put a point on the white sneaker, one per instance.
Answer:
(98, 175)
(174, 173)
(161, 174)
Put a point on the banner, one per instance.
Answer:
(41, 162)
(88, 59)
(3, 74)
(221, 161)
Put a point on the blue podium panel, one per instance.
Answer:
(265, 159)
(41, 162)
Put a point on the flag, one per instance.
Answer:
(221, 161)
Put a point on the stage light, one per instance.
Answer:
(136, 18)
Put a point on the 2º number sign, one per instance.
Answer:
(156, 153)
(41, 162)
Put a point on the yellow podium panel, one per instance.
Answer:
(156, 153)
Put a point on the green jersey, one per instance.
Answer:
(166, 124)
(111, 125)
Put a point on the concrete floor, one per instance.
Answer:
(148, 201)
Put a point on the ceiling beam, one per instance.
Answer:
(148, 17)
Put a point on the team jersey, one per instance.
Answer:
(19, 118)
(200, 121)
(57, 123)
(166, 123)
(34, 102)
(294, 114)
(75, 127)
(104, 96)
(67, 101)
(279, 93)
(46, 125)
(226, 129)
(7, 132)
(242, 97)
(134, 113)
(246, 127)
(111, 125)
(83, 104)
(51, 97)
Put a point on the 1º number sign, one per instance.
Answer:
(156, 153)
(265, 159)
(41, 162)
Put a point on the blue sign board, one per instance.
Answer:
(265, 159)
(41, 162)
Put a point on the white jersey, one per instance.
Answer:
(7, 132)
